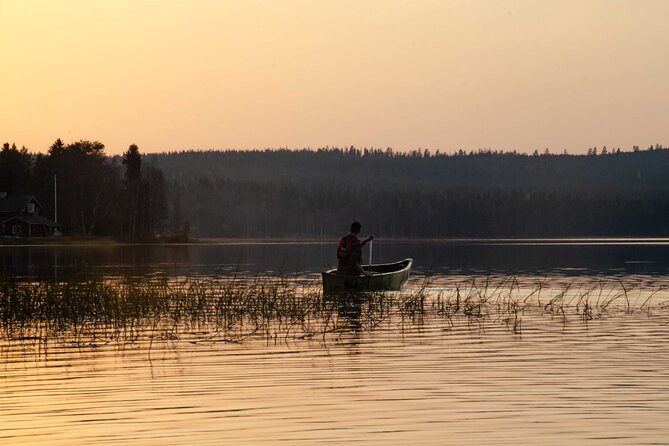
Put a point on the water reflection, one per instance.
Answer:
(600, 383)
(349, 310)
(603, 258)
(571, 348)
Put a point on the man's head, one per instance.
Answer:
(355, 227)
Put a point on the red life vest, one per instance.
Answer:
(344, 248)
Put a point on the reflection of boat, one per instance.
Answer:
(385, 277)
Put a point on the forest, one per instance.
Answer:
(317, 193)
(98, 195)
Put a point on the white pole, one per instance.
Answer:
(55, 200)
(370, 252)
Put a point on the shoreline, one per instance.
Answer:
(110, 242)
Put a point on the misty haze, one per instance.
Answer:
(376, 223)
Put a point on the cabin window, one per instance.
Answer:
(16, 229)
(31, 208)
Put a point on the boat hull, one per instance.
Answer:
(385, 277)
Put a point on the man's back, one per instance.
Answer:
(349, 255)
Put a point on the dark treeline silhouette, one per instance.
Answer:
(277, 193)
(316, 193)
(97, 195)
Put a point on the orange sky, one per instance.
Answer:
(201, 74)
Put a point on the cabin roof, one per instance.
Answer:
(33, 220)
(16, 203)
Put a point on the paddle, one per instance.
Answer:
(370, 253)
(370, 258)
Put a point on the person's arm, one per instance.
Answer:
(361, 271)
(368, 239)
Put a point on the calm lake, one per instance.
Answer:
(495, 342)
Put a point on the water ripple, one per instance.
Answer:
(603, 382)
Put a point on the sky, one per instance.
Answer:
(442, 75)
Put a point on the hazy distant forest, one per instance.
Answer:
(317, 193)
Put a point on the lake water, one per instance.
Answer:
(566, 257)
(545, 372)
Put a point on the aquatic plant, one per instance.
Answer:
(97, 310)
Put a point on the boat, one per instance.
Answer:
(385, 277)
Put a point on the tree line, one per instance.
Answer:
(97, 195)
(316, 193)
(279, 193)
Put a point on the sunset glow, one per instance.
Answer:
(445, 75)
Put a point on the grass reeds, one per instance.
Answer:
(97, 310)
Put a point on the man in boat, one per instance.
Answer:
(349, 252)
